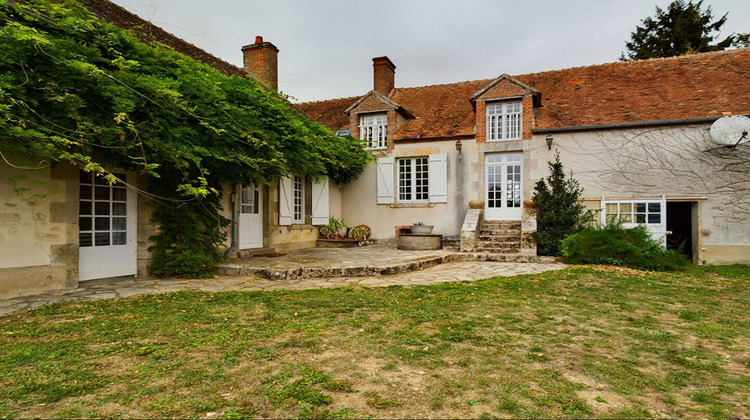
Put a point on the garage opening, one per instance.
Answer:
(682, 224)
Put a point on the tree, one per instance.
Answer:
(560, 212)
(681, 29)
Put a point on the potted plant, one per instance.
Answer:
(332, 229)
(421, 228)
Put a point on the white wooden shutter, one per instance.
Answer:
(320, 202)
(385, 180)
(286, 189)
(438, 179)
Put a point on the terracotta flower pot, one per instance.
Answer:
(476, 204)
(529, 203)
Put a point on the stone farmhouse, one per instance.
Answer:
(633, 133)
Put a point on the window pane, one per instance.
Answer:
(84, 223)
(626, 218)
(626, 207)
(654, 218)
(119, 194)
(640, 218)
(610, 208)
(640, 207)
(654, 207)
(101, 239)
(101, 223)
(84, 177)
(84, 239)
(119, 209)
(84, 207)
(119, 223)
(84, 192)
(101, 209)
(119, 238)
(102, 193)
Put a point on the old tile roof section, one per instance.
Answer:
(693, 86)
(147, 32)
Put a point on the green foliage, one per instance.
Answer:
(617, 246)
(76, 89)
(679, 30)
(559, 209)
(332, 228)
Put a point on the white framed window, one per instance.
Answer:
(373, 130)
(413, 179)
(504, 120)
(633, 212)
(298, 199)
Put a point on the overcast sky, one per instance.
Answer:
(326, 46)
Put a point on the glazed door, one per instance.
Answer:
(251, 217)
(503, 186)
(106, 228)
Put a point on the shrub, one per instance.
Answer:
(559, 209)
(615, 245)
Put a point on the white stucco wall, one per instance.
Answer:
(360, 197)
(667, 161)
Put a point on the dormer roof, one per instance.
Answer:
(506, 86)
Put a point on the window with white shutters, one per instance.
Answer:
(373, 130)
(504, 121)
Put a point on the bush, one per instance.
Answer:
(560, 212)
(617, 246)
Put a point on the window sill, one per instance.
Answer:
(300, 226)
(411, 205)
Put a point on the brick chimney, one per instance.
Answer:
(261, 60)
(384, 75)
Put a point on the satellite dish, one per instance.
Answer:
(730, 131)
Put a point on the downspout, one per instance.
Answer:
(229, 253)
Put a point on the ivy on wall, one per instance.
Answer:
(74, 88)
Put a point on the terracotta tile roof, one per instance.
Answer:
(147, 32)
(331, 113)
(693, 86)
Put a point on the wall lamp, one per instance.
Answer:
(458, 146)
(549, 139)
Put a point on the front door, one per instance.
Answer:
(106, 228)
(251, 217)
(503, 186)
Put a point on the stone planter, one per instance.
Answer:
(422, 229)
(420, 242)
(476, 204)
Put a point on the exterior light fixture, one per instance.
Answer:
(458, 146)
(549, 139)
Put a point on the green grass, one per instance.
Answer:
(577, 343)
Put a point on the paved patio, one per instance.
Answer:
(372, 266)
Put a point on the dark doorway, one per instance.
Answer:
(680, 223)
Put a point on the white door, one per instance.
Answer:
(503, 186)
(251, 217)
(106, 228)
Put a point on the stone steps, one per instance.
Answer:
(499, 237)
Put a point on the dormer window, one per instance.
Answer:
(373, 130)
(504, 121)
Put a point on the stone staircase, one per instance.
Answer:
(499, 237)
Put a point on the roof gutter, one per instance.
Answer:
(624, 125)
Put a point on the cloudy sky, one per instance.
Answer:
(326, 46)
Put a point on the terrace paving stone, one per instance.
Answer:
(372, 266)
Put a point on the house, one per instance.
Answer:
(634, 134)
(59, 225)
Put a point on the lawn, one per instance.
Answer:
(579, 342)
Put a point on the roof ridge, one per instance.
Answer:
(330, 99)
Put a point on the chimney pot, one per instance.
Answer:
(258, 39)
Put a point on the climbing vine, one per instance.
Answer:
(74, 88)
